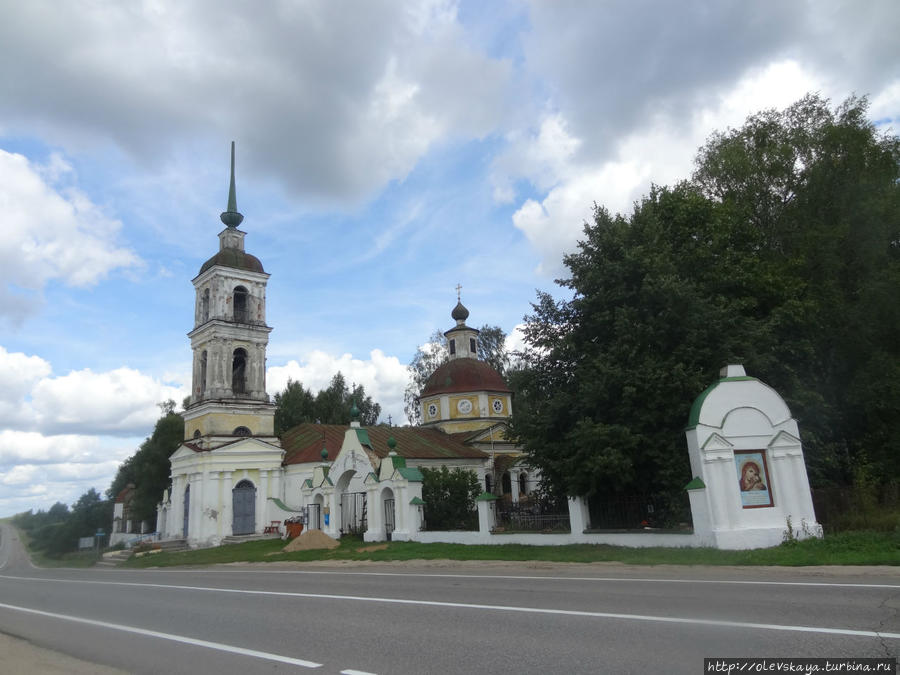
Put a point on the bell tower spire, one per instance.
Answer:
(231, 217)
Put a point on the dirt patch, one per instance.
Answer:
(373, 547)
(311, 540)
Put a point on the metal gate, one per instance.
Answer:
(314, 516)
(187, 510)
(353, 513)
(388, 517)
(243, 508)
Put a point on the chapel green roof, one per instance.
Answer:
(697, 406)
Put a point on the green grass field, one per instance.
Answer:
(847, 548)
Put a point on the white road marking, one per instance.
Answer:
(496, 608)
(355, 672)
(549, 578)
(168, 636)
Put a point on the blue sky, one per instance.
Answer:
(386, 151)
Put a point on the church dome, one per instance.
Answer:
(462, 375)
(459, 313)
(232, 257)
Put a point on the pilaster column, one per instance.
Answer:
(725, 499)
(579, 515)
(375, 527)
(215, 502)
(226, 517)
(262, 503)
(174, 522)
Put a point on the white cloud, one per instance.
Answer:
(37, 470)
(383, 377)
(332, 103)
(50, 232)
(661, 152)
(18, 375)
(33, 448)
(118, 401)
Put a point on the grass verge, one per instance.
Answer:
(846, 548)
(72, 559)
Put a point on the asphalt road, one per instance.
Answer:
(444, 617)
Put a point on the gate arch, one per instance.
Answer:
(243, 508)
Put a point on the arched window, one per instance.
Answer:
(472, 346)
(487, 482)
(242, 431)
(204, 307)
(239, 372)
(507, 484)
(241, 305)
(203, 373)
(452, 347)
(197, 433)
(523, 484)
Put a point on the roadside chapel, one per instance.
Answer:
(233, 477)
(750, 487)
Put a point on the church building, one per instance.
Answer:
(233, 477)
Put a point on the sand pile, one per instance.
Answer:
(309, 540)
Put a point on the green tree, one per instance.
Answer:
(149, 467)
(329, 406)
(152, 467)
(434, 353)
(294, 405)
(820, 186)
(449, 498)
(57, 531)
(781, 254)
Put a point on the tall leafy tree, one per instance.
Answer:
(781, 253)
(331, 405)
(149, 467)
(294, 405)
(434, 353)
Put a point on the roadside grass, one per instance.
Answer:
(846, 548)
(72, 559)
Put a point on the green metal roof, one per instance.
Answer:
(363, 436)
(412, 474)
(486, 497)
(415, 501)
(281, 505)
(696, 484)
(694, 417)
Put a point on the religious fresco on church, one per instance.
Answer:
(754, 482)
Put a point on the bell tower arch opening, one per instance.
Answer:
(204, 306)
(241, 305)
(239, 372)
(203, 367)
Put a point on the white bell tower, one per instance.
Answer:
(229, 339)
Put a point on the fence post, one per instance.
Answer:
(487, 514)
(579, 515)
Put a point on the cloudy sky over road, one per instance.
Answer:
(386, 151)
